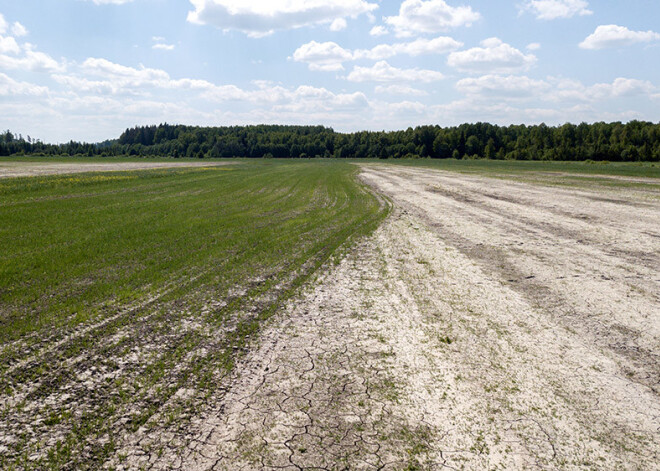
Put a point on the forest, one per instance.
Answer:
(624, 142)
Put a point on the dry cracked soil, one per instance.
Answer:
(486, 324)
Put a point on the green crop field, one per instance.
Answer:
(119, 289)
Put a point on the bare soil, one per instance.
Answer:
(31, 169)
(487, 324)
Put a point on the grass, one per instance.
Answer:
(119, 289)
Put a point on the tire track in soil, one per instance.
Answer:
(597, 274)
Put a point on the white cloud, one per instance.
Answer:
(621, 87)
(413, 107)
(616, 36)
(18, 30)
(494, 56)
(158, 39)
(395, 89)
(384, 72)
(430, 16)
(552, 90)
(111, 2)
(573, 91)
(104, 92)
(112, 71)
(378, 31)
(338, 25)
(119, 80)
(11, 87)
(8, 45)
(163, 47)
(503, 86)
(553, 9)
(533, 47)
(440, 45)
(31, 60)
(306, 99)
(262, 17)
(327, 56)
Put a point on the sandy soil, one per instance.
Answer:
(487, 324)
(30, 169)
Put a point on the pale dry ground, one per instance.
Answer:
(486, 324)
(31, 169)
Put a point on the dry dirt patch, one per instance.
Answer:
(31, 169)
(485, 325)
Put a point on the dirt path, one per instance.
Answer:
(485, 325)
(31, 169)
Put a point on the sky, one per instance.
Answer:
(86, 70)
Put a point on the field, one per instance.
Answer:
(121, 291)
(332, 315)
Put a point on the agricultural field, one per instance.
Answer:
(126, 297)
(331, 315)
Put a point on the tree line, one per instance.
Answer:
(629, 142)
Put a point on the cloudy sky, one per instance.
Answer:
(87, 69)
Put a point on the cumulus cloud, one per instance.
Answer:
(533, 47)
(494, 56)
(440, 45)
(102, 78)
(384, 72)
(29, 60)
(11, 87)
(262, 17)
(8, 45)
(110, 2)
(307, 99)
(329, 56)
(113, 71)
(18, 30)
(430, 16)
(553, 9)
(622, 87)
(607, 36)
(552, 89)
(378, 31)
(338, 25)
(396, 89)
(503, 86)
(117, 79)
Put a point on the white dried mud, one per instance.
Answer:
(30, 169)
(486, 324)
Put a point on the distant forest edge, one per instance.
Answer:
(631, 142)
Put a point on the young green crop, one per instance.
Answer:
(119, 289)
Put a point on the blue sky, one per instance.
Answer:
(88, 69)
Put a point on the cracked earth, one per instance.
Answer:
(487, 324)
